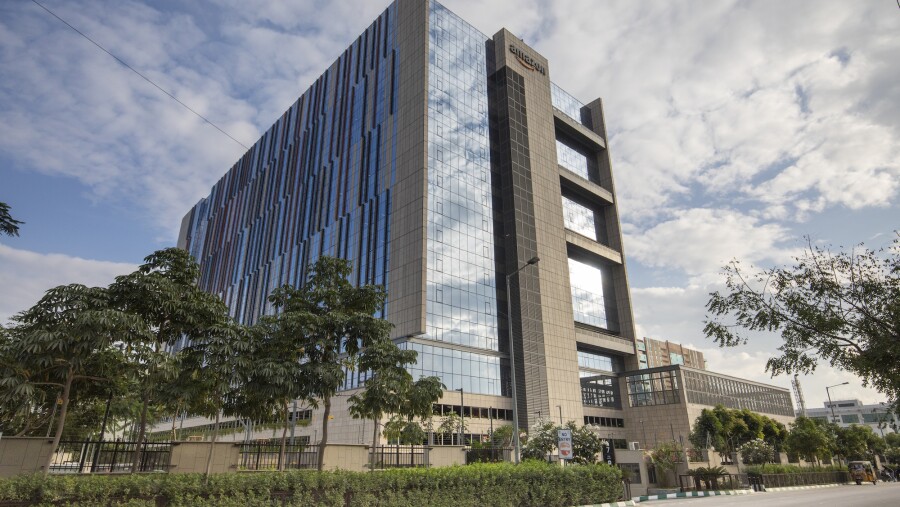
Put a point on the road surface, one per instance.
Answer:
(884, 494)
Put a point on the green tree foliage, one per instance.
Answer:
(841, 307)
(587, 444)
(541, 440)
(335, 322)
(64, 340)
(218, 356)
(757, 452)
(665, 456)
(809, 439)
(451, 425)
(163, 292)
(725, 430)
(857, 442)
(8, 225)
(502, 436)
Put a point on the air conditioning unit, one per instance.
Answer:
(634, 446)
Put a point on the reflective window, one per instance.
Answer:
(594, 361)
(579, 218)
(568, 105)
(657, 388)
(849, 418)
(461, 304)
(573, 159)
(474, 373)
(675, 358)
(588, 304)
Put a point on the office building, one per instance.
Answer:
(654, 353)
(877, 416)
(441, 161)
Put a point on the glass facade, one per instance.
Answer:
(474, 373)
(318, 182)
(588, 304)
(579, 218)
(656, 388)
(568, 104)
(595, 361)
(461, 301)
(573, 159)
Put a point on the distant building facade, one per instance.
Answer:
(877, 416)
(655, 353)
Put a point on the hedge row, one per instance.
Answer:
(773, 468)
(481, 485)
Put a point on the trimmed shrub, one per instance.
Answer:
(527, 484)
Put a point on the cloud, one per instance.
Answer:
(699, 241)
(25, 276)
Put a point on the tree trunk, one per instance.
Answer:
(145, 402)
(321, 459)
(67, 389)
(174, 420)
(374, 443)
(212, 448)
(283, 438)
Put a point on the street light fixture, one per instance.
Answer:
(512, 357)
(828, 392)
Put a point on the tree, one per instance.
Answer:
(809, 440)
(757, 452)
(587, 444)
(542, 439)
(842, 307)
(451, 425)
(163, 292)
(8, 225)
(857, 442)
(65, 338)
(502, 436)
(665, 457)
(336, 322)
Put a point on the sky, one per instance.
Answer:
(736, 129)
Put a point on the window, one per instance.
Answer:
(849, 418)
(657, 388)
(606, 422)
(588, 303)
(579, 218)
(631, 471)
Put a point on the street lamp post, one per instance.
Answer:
(462, 417)
(828, 392)
(560, 414)
(512, 357)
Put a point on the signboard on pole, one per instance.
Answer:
(609, 454)
(564, 444)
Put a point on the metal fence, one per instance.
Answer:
(804, 479)
(399, 456)
(91, 456)
(267, 456)
(488, 455)
(713, 482)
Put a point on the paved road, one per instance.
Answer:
(882, 495)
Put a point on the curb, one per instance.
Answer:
(692, 494)
(794, 488)
(626, 503)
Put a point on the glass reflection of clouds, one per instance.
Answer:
(572, 159)
(579, 218)
(461, 303)
(587, 294)
(568, 105)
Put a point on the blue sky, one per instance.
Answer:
(736, 128)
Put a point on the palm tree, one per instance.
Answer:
(8, 225)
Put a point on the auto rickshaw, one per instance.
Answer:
(862, 471)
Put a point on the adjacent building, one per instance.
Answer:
(443, 162)
(654, 353)
(877, 416)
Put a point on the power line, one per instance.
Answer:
(79, 32)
